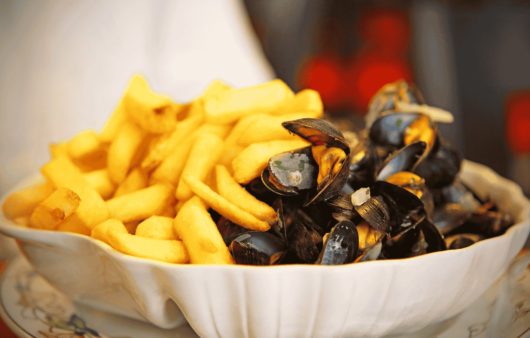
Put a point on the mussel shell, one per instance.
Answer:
(334, 187)
(389, 130)
(405, 159)
(440, 168)
(229, 230)
(307, 173)
(342, 207)
(257, 248)
(449, 216)
(457, 193)
(341, 245)
(406, 209)
(461, 241)
(318, 132)
(303, 242)
(363, 164)
(433, 236)
(375, 212)
(279, 227)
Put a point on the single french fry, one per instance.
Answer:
(305, 100)
(94, 161)
(158, 227)
(233, 192)
(171, 168)
(114, 123)
(153, 112)
(70, 224)
(270, 128)
(169, 251)
(84, 144)
(200, 235)
(58, 150)
(168, 143)
(254, 159)
(24, 202)
(136, 180)
(197, 106)
(224, 207)
(101, 182)
(141, 204)
(92, 210)
(122, 150)
(228, 106)
(59, 205)
(203, 156)
(100, 231)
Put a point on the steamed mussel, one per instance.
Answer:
(393, 193)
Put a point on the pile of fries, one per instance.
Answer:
(145, 183)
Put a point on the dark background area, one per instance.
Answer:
(471, 58)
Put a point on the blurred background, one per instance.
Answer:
(470, 57)
(64, 64)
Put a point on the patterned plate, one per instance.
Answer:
(32, 308)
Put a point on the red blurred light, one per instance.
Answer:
(518, 122)
(369, 72)
(323, 74)
(385, 30)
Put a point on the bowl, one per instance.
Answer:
(368, 299)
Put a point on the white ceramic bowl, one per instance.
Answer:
(367, 299)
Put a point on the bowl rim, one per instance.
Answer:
(12, 230)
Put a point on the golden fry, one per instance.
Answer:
(200, 235)
(100, 231)
(197, 106)
(171, 168)
(83, 145)
(122, 150)
(101, 182)
(71, 224)
(113, 125)
(136, 180)
(92, 210)
(250, 162)
(141, 204)
(59, 205)
(158, 227)
(203, 156)
(154, 113)
(169, 251)
(306, 100)
(24, 202)
(224, 207)
(270, 128)
(168, 143)
(233, 192)
(229, 106)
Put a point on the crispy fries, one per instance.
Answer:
(145, 183)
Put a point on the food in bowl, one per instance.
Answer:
(284, 187)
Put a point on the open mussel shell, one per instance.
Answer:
(405, 159)
(461, 241)
(340, 245)
(375, 211)
(390, 130)
(292, 172)
(449, 216)
(386, 97)
(229, 230)
(342, 207)
(304, 242)
(406, 209)
(334, 186)
(318, 132)
(440, 168)
(363, 163)
(257, 248)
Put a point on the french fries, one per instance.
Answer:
(145, 183)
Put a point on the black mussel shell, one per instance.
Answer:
(457, 193)
(318, 132)
(342, 207)
(321, 216)
(309, 222)
(385, 99)
(486, 223)
(375, 212)
(433, 237)
(295, 171)
(303, 241)
(440, 168)
(461, 241)
(406, 209)
(363, 163)
(449, 216)
(341, 245)
(405, 159)
(279, 227)
(257, 248)
(333, 188)
(229, 230)
(389, 130)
